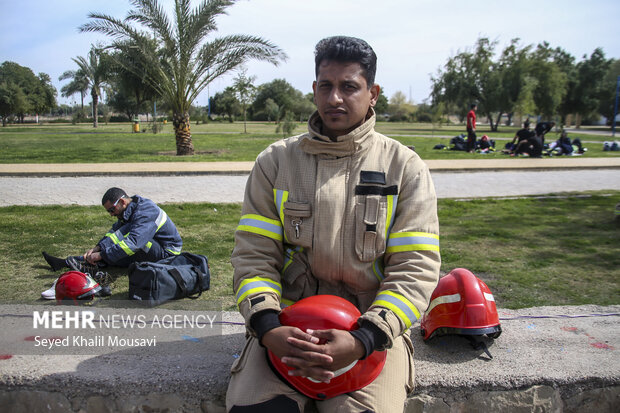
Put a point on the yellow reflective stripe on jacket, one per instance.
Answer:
(392, 201)
(126, 248)
(377, 269)
(161, 219)
(114, 237)
(288, 256)
(285, 302)
(262, 226)
(403, 308)
(412, 241)
(256, 285)
(280, 196)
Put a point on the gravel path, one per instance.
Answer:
(230, 188)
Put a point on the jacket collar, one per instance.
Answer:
(346, 145)
(130, 208)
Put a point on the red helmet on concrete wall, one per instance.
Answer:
(76, 286)
(461, 304)
(321, 312)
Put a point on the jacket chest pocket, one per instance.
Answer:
(298, 224)
(370, 226)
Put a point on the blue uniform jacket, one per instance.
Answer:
(141, 224)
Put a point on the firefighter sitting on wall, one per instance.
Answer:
(340, 210)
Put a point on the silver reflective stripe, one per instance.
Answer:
(489, 297)
(444, 299)
(161, 219)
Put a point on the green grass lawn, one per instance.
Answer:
(531, 252)
(62, 143)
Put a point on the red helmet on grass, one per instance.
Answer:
(461, 304)
(321, 312)
(76, 286)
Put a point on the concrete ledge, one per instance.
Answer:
(556, 359)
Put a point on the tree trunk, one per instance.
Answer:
(499, 119)
(95, 97)
(490, 118)
(180, 121)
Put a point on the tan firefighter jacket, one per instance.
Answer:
(356, 218)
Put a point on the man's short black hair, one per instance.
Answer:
(473, 105)
(346, 49)
(112, 195)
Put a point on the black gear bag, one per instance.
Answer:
(181, 276)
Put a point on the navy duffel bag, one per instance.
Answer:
(181, 276)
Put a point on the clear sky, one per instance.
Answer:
(412, 38)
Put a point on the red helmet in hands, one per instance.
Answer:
(76, 286)
(461, 304)
(322, 312)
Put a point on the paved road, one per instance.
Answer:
(229, 188)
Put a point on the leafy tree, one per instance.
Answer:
(185, 62)
(425, 113)
(44, 97)
(131, 92)
(303, 106)
(551, 81)
(590, 84)
(12, 100)
(469, 77)
(288, 125)
(95, 71)
(400, 108)
(23, 92)
(513, 85)
(525, 104)
(570, 102)
(225, 103)
(244, 91)
(285, 96)
(272, 110)
(381, 106)
(608, 91)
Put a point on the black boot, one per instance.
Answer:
(55, 262)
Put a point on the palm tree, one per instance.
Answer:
(93, 72)
(185, 62)
(78, 84)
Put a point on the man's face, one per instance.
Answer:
(117, 208)
(342, 96)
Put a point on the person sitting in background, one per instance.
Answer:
(485, 145)
(143, 232)
(541, 130)
(562, 146)
(529, 143)
(521, 135)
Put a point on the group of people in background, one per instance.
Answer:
(532, 142)
(526, 142)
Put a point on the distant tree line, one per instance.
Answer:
(526, 80)
(22, 92)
